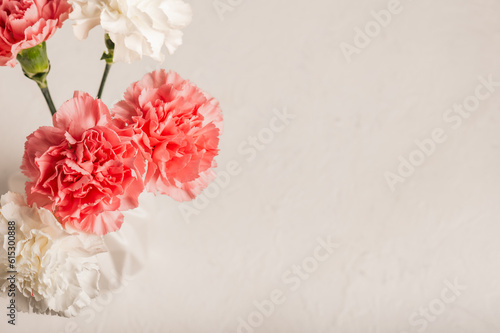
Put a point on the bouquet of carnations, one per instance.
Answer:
(94, 161)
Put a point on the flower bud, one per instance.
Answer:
(35, 64)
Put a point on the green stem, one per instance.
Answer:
(108, 57)
(103, 80)
(48, 98)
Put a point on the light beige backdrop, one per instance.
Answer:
(374, 90)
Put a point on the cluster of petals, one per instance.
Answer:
(177, 127)
(94, 163)
(27, 23)
(84, 168)
(57, 270)
(137, 28)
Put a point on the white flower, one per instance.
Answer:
(57, 271)
(137, 27)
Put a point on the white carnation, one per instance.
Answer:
(57, 271)
(137, 27)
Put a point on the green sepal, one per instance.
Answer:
(108, 56)
(35, 64)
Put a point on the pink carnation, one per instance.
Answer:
(177, 126)
(84, 169)
(27, 23)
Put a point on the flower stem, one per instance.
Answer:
(36, 67)
(108, 57)
(103, 80)
(48, 98)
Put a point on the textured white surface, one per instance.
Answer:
(322, 175)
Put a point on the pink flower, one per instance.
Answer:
(85, 168)
(177, 126)
(27, 23)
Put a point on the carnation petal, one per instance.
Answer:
(102, 224)
(81, 113)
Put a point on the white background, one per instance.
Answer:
(323, 175)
